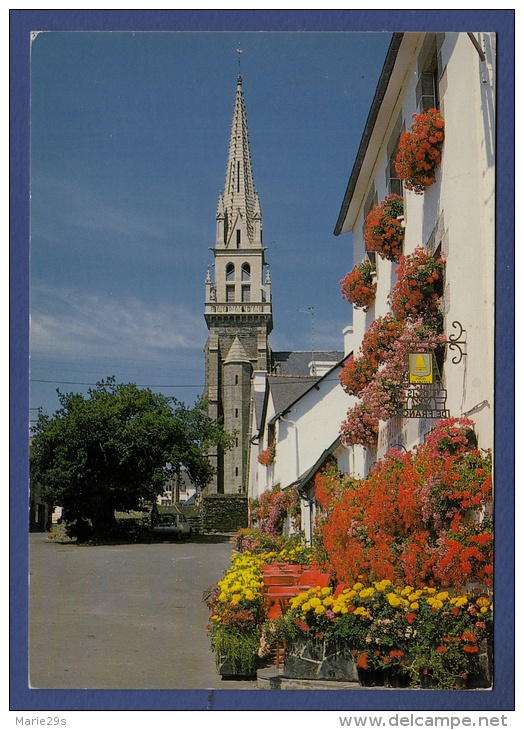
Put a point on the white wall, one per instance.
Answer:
(460, 205)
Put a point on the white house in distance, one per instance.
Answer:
(454, 217)
(298, 418)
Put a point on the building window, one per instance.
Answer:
(230, 293)
(392, 181)
(236, 471)
(371, 200)
(429, 72)
(238, 176)
(236, 416)
(246, 272)
(230, 272)
(236, 379)
(246, 293)
(238, 237)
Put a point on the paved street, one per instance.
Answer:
(124, 616)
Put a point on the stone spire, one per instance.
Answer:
(239, 203)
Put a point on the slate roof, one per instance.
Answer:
(258, 405)
(286, 389)
(296, 362)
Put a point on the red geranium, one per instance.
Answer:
(420, 151)
(418, 290)
(384, 232)
(359, 287)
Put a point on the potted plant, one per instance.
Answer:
(359, 286)
(384, 229)
(314, 647)
(267, 456)
(360, 427)
(237, 613)
(420, 151)
(419, 287)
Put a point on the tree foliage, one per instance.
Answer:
(115, 449)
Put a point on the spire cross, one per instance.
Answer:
(240, 52)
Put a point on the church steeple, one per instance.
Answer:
(239, 202)
(238, 308)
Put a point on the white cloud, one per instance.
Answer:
(87, 326)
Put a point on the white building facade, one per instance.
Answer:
(452, 218)
(299, 433)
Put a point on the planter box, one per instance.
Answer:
(317, 659)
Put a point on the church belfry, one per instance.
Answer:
(238, 309)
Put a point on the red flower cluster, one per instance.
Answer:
(267, 456)
(384, 232)
(420, 151)
(419, 288)
(411, 520)
(358, 286)
(357, 372)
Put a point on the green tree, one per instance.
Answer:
(115, 449)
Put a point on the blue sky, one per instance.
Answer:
(129, 142)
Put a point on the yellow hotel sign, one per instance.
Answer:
(420, 367)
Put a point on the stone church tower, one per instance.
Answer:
(238, 309)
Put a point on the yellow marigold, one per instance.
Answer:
(358, 587)
(328, 601)
(406, 590)
(366, 593)
(484, 609)
(414, 606)
(315, 601)
(360, 611)
(483, 601)
(320, 609)
(431, 590)
(337, 608)
(345, 610)
(325, 591)
(222, 597)
(235, 599)
(306, 607)
(443, 596)
(393, 600)
(436, 605)
(249, 594)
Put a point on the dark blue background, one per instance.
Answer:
(500, 21)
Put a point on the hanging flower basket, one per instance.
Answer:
(377, 341)
(419, 288)
(384, 232)
(360, 427)
(420, 151)
(267, 456)
(359, 286)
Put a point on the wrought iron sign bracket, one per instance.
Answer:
(457, 342)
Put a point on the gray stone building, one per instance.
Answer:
(239, 316)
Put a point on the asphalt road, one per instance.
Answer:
(124, 616)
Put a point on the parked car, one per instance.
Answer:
(172, 526)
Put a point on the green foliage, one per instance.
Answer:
(239, 648)
(115, 449)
